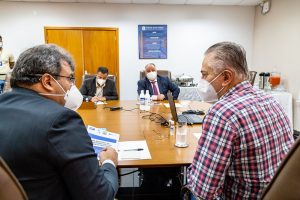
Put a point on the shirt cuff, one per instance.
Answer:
(154, 97)
(108, 161)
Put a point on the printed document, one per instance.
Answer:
(102, 138)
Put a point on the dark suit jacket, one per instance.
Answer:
(49, 150)
(163, 83)
(88, 89)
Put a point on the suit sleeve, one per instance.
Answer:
(113, 94)
(76, 161)
(84, 91)
(141, 86)
(174, 89)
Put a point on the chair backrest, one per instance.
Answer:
(252, 75)
(10, 188)
(111, 77)
(166, 73)
(286, 181)
(87, 76)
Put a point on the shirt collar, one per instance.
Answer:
(237, 88)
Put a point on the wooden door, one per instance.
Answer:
(90, 48)
(101, 49)
(71, 40)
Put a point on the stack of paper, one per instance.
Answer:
(102, 138)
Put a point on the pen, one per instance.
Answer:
(139, 149)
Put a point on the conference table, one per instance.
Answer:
(133, 124)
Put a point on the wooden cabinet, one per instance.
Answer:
(90, 48)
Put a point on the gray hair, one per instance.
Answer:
(230, 55)
(37, 61)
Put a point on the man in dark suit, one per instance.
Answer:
(158, 86)
(99, 88)
(43, 141)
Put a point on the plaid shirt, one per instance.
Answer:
(245, 135)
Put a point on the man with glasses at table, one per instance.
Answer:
(43, 140)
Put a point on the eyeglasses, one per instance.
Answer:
(71, 78)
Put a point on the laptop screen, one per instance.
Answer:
(172, 107)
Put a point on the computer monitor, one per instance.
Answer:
(172, 106)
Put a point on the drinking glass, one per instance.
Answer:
(274, 79)
(181, 134)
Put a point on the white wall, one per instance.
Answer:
(276, 44)
(191, 30)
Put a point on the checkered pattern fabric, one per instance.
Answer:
(245, 136)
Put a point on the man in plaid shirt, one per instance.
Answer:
(245, 135)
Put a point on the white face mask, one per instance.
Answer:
(1, 44)
(73, 98)
(207, 92)
(152, 75)
(101, 82)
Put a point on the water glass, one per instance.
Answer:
(181, 134)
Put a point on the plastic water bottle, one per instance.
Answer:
(147, 101)
(172, 127)
(142, 100)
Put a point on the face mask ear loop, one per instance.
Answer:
(59, 85)
(216, 77)
(220, 90)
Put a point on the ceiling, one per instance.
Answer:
(163, 2)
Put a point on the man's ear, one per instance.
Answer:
(47, 82)
(228, 76)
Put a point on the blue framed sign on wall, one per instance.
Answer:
(152, 41)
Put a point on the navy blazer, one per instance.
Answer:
(88, 89)
(49, 150)
(163, 83)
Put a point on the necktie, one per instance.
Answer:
(155, 92)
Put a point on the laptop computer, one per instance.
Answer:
(188, 118)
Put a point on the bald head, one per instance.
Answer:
(150, 67)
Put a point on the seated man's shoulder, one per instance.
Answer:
(164, 79)
(110, 81)
(143, 80)
(228, 106)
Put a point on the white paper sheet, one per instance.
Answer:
(133, 150)
(100, 103)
